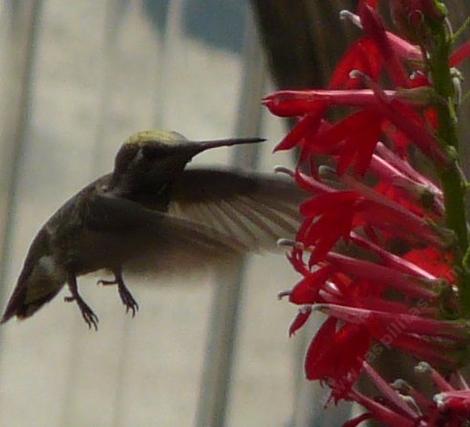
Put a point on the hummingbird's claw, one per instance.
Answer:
(126, 297)
(90, 318)
(88, 315)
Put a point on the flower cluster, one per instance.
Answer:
(383, 247)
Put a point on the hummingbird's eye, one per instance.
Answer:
(152, 152)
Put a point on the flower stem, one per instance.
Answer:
(453, 184)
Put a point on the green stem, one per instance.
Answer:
(453, 184)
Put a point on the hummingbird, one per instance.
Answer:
(151, 213)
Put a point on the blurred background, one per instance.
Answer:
(76, 79)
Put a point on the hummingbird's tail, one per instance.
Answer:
(40, 280)
(23, 305)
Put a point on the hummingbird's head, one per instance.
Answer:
(151, 157)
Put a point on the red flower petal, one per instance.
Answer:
(462, 53)
(363, 55)
(300, 320)
(336, 355)
(374, 27)
(334, 212)
(306, 125)
(439, 264)
(457, 401)
(353, 139)
(306, 291)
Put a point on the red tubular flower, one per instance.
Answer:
(391, 260)
(374, 27)
(381, 412)
(410, 123)
(363, 55)
(419, 198)
(288, 103)
(438, 263)
(336, 355)
(377, 321)
(390, 394)
(335, 212)
(409, 285)
(403, 48)
(462, 53)
(352, 139)
(451, 408)
(310, 123)
(457, 401)
(306, 291)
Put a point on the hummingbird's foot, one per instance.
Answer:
(90, 318)
(88, 315)
(126, 297)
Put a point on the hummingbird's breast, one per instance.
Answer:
(87, 238)
(75, 245)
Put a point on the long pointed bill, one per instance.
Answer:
(200, 146)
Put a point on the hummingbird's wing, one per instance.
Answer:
(255, 209)
(149, 241)
(123, 217)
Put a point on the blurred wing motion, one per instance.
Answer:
(141, 230)
(255, 209)
(156, 243)
(226, 206)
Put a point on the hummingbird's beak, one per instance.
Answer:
(199, 146)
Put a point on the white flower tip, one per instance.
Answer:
(401, 385)
(286, 243)
(423, 368)
(283, 169)
(358, 74)
(346, 15)
(439, 400)
(283, 294)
